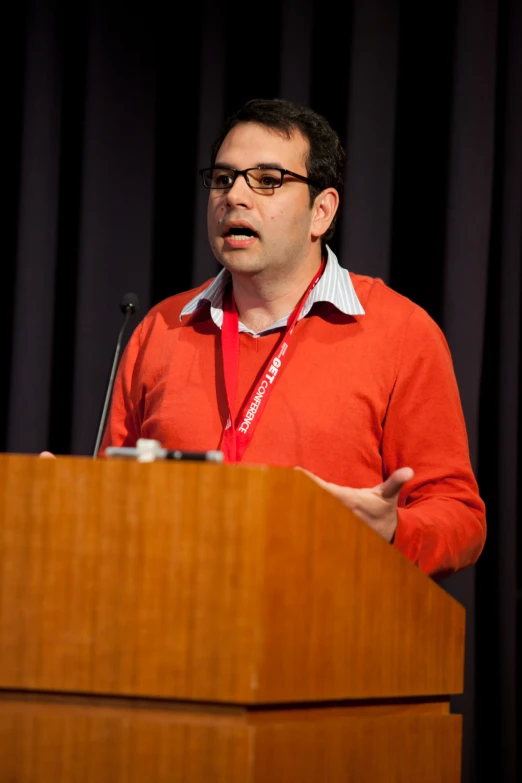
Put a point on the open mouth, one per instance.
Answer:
(240, 232)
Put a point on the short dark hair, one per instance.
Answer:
(326, 158)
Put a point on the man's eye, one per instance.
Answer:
(223, 180)
(269, 182)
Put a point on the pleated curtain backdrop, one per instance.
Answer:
(109, 110)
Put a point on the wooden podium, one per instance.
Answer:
(206, 623)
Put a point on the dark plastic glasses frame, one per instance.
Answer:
(244, 173)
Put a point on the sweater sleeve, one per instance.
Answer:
(442, 524)
(123, 422)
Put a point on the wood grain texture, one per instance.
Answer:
(384, 749)
(212, 583)
(42, 741)
(67, 743)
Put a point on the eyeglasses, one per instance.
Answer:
(258, 178)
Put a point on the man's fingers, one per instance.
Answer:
(325, 484)
(308, 473)
(388, 490)
(377, 506)
(47, 455)
(393, 485)
(345, 494)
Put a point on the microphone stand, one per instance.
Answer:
(129, 305)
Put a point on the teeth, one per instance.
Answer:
(241, 236)
(241, 231)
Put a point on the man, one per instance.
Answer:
(287, 359)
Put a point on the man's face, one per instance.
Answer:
(262, 232)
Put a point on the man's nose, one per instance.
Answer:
(240, 192)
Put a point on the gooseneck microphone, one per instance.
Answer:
(128, 305)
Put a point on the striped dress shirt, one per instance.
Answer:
(334, 286)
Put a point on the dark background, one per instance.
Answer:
(109, 109)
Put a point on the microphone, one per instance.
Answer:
(128, 305)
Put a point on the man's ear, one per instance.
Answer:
(324, 209)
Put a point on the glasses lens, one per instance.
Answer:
(258, 179)
(218, 178)
(264, 179)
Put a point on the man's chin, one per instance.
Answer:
(240, 261)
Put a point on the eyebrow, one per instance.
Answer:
(264, 165)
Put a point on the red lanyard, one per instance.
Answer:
(237, 435)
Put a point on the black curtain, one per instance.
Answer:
(109, 110)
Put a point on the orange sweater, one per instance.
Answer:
(359, 397)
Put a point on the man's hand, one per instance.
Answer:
(377, 506)
(47, 455)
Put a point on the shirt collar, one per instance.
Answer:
(334, 287)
